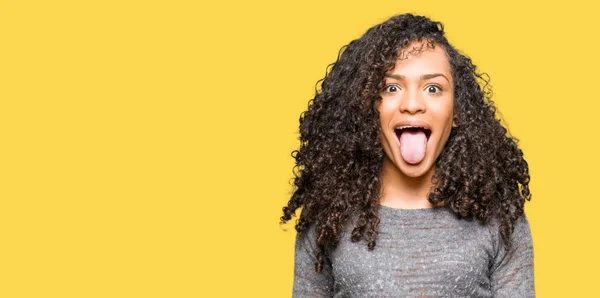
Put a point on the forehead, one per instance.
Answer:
(421, 57)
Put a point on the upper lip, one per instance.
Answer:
(412, 123)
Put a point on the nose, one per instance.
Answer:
(412, 103)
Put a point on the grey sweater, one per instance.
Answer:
(420, 253)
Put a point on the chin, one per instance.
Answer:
(414, 171)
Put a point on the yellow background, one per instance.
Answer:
(145, 145)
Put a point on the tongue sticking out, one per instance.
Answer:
(413, 145)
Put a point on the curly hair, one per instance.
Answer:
(481, 172)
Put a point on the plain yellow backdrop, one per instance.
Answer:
(145, 145)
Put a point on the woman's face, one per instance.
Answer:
(417, 109)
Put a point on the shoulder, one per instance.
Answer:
(307, 236)
(520, 226)
(519, 239)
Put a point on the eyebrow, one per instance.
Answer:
(423, 77)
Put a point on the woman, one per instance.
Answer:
(409, 185)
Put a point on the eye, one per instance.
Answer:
(434, 89)
(391, 88)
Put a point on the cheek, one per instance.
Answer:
(385, 112)
(445, 108)
(444, 116)
(448, 114)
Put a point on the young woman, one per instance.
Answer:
(409, 185)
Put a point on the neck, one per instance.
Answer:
(401, 191)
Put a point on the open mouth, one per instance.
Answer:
(412, 129)
(413, 141)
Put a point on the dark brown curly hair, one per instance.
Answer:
(481, 172)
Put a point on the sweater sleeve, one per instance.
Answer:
(307, 282)
(512, 271)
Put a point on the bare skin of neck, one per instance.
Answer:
(404, 192)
